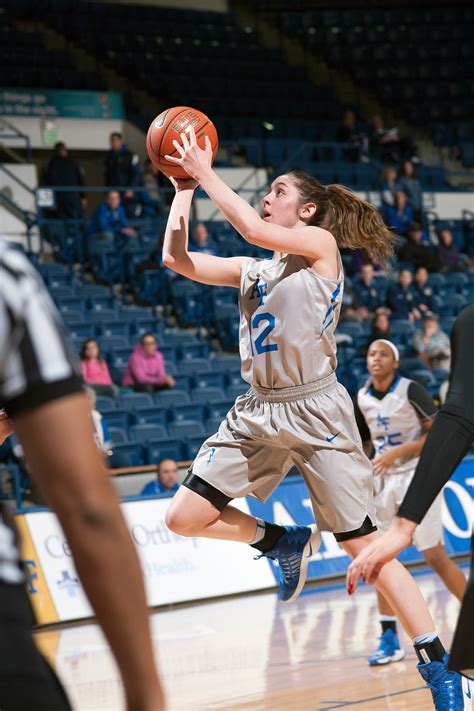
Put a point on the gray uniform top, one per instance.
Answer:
(288, 315)
(396, 418)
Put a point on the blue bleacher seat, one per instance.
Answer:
(134, 313)
(103, 315)
(110, 343)
(195, 365)
(233, 391)
(71, 303)
(154, 415)
(113, 328)
(212, 425)
(81, 330)
(209, 380)
(234, 377)
(187, 411)
(118, 435)
(225, 362)
(218, 410)
(116, 418)
(72, 317)
(186, 428)
(208, 394)
(132, 401)
(144, 433)
(164, 448)
(132, 451)
(171, 398)
(183, 382)
(191, 351)
(192, 446)
(424, 377)
(103, 402)
(102, 302)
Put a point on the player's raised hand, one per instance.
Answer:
(373, 557)
(195, 161)
(181, 184)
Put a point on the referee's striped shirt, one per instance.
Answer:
(37, 363)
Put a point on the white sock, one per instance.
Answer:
(259, 533)
(387, 618)
(425, 638)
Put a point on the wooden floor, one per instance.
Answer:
(253, 654)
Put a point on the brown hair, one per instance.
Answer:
(354, 223)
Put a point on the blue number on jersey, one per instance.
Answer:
(260, 346)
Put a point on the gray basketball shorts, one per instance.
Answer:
(311, 427)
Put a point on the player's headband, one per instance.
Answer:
(392, 347)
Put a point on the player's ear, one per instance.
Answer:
(308, 210)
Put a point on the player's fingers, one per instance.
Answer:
(185, 141)
(192, 135)
(353, 574)
(207, 142)
(179, 148)
(372, 573)
(172, 159)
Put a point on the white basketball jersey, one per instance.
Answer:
(288, 315)
(391, 420)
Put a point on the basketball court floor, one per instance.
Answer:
(254, 654)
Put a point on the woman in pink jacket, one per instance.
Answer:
(95, 370)
(146, 370)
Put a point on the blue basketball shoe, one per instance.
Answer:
(445, 686)
(292, 553)
(389, 650)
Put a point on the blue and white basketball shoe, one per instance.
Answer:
(292, 553)
(445, 686)
(389, 650)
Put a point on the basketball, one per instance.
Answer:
(167, 127)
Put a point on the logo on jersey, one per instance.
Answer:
(211, 454)
(383, 422)
(259, 291)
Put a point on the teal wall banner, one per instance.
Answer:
(57, 103)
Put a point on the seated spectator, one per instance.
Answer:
(95, 370)
(448, 253)
(166, 481)
(380, 326)
(388, 185)
(109, 220)
(387, 145)
(102, 437)
(402, 298)
(424, 290)
(367, 298)
(200, 241)
(431, 343)
(348, 132)
(398, 216)
(411, 186)
(417, 253)
(146, 371)
(121, 168)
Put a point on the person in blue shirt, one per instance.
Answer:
(200, 241)
(424, 290)
(400, 215)
(166, 481)
(110, 219)
(367, 296)
(402, 298)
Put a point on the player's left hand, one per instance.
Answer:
(193, 159)
(385, 461)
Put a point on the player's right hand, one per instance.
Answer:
(181, 184)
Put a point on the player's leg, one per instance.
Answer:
(399, 588)
(451, 575)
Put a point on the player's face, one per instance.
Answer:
(282, 203)
(380, 360)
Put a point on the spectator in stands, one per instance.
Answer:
(146, 371)
(102, 437)
(388, 185)
(449, 255)
(63, 171)
(388, 146)
(122, 167)
(200, 241)
(431, 343)
(348, 132)
(411, 186)
(402, 298)
(400, 215)
(424, 290)
(367, 298)
(417, 253)
(149, 196)
(380, 326)
(109, 220)
(166, 481)
(95, 370)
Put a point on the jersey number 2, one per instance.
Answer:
(260, 346)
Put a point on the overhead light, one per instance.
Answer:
(268, 126)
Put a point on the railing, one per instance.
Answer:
(13, 133)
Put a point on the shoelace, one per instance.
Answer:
(289, 564)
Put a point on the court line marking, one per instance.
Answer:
(345, 704)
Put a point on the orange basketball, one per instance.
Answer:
(167, 127)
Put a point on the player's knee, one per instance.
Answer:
(178, 522)
(435, 557)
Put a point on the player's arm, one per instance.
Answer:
(364, 431)
(313, 242)
(204, 268)
(67, 467)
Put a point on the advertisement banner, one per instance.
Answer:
(51, 103)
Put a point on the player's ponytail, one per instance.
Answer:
(355, 223)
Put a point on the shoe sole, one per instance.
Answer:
(310, 549)
(397, 657)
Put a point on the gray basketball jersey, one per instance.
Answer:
(288, 315)
(391, 420)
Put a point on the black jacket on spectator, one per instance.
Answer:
(121, 168)
(367, 296)
(64, 171)
(424, 295)
(401, 300)
(419, 255)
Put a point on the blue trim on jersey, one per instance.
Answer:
(390, 390)
(331, 308)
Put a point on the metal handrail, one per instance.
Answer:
(17, 134)
(18, 180)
